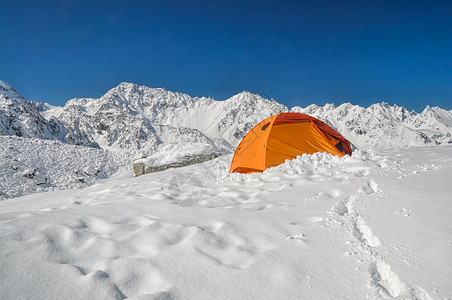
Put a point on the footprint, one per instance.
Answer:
(371, 187)
(364, 233)
(386, 279)
(390, 284)
(341, 208)
(300, 236)
(404, 212)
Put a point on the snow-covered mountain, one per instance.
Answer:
(382, 126)
(20, 117)
(23, 118)
(136, 117)
(139, 118)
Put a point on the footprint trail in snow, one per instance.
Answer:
(317, 227)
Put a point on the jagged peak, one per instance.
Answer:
(7, 90)
(124, 88)
(435, 109)
(384, 104)
(380, 105)
(121, 87)
(126, 83)
(329, 106)
(386, 107)
(5, 84)
(246, 95)
(129, 86)
(312, 106)
(347, 106)
(79, 101)
(427, 109)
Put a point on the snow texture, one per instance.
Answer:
(373, 225)
(177, 152)
(176, 155)
(366, 226)
(30, 165)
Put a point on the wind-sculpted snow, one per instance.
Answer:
(373, 225)
(30, 165)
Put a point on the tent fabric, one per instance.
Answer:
(284, 136)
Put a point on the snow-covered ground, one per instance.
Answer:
(30, 165)
(376, 225)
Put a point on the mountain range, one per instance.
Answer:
(131, 117)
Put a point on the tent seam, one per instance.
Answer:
(321, 133)
(266, 143)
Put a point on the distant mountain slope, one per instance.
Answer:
(381, 126)
(23, 118)
(139, 118)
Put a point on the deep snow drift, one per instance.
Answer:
(375, 225)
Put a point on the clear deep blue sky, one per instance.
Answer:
(296, 52)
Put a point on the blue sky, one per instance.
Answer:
(299, 52)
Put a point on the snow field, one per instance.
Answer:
(29, 165)
(317, 227)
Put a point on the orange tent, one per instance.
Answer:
(284, 136)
